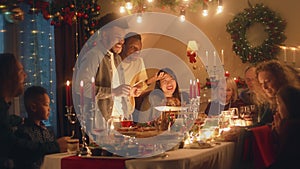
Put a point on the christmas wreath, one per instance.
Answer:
(273, 24)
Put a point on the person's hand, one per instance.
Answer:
(62, 142)
(122, 90)
(135, 92)
(155, 78)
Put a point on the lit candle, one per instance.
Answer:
(68, 99)
(198, 87)
(191, 89)
(93, 90)
(81, 94)
(215, 63)
(284, 54)
(294, 55)
(194, 89)
(206, 55)
(222, 56)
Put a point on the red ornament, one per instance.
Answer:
(79, 14)
(86, 16)
(98, 7)
(52, 22)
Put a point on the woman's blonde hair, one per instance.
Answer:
(230, 82)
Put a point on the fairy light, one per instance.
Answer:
(150, 1)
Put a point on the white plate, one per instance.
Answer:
(170, 108)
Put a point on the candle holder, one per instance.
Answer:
(84, 149)
(71, 116)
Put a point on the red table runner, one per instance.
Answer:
(75, 162)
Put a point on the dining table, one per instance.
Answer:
(219, 155)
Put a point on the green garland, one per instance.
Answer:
(274, 27)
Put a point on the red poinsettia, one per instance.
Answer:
(69, 15)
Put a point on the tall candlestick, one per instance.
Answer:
(81, 94)
(68, 97)
(222, 56)
(191, 88)
(198, 87)
(93, 90)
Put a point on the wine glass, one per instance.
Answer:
(127, 120)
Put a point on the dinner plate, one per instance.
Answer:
(171, 108)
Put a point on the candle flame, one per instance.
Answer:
(81, 83)
(68, 83)
(93, 80)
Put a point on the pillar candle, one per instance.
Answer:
(294, 55)
(93, 90)
(81, 94)
(68, 97)
(284, 54)
(215, 63)
(194, 89)
(222, 56)
(191, 88)
(198, 87)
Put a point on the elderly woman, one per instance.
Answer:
(227, 97)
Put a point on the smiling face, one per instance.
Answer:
(132, 49)
(41, 108)
(225, 94)
(168, 85)
(113, 38)
(268, 83)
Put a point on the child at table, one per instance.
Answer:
(37, 105)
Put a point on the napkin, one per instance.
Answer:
(264, 153)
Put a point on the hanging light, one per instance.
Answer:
(122, 9)
(139, 18)
(205, 9)
(220, 7)
(182, 15)
(128, 5)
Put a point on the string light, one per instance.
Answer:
(220, 7)
(128, 5)
(135, 6)
(205, 9)
(182, 15)
(122, 9)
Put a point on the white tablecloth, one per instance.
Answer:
(218, 157)
(53, 161)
